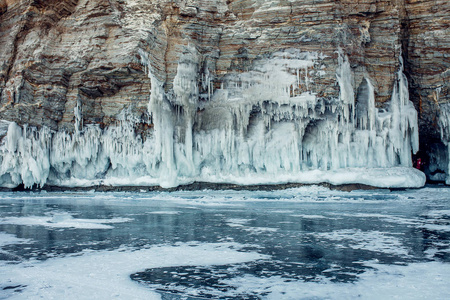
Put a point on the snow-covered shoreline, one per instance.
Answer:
(397, 177)
(348, 179)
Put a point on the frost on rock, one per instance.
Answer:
(264, 125)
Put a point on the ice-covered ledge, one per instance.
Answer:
(395, 177)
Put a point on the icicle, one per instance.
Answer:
(77, 111)
(444, 125)
(404, 124)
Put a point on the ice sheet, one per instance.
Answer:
(410, 243)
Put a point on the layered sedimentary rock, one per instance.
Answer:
(427, 50)
(198, 89)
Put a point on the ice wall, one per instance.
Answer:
(265, 125)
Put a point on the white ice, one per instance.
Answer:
(63, 220)
(367, 240)
(310, 216)
(262, 126)
(236, 222)
(10, 239)
(164, 212)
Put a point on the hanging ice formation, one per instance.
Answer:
(262, 126)
(444, 124)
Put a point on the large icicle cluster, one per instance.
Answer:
(265, 125)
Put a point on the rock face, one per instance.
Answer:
(70, 64)
(55, 53)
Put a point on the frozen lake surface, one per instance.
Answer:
(302, 243)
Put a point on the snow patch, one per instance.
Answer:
(10, 239)
(162, 212)
(106, 274)
(310, 216)
(367, 240)
(63, 220)
(235, 222)
(413, 281)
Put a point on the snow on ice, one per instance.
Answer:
(393, 257)
(63, 220)
(105, 274)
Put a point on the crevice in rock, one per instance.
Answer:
(3, 7)
(21, 34)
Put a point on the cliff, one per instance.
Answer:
(75, 64)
